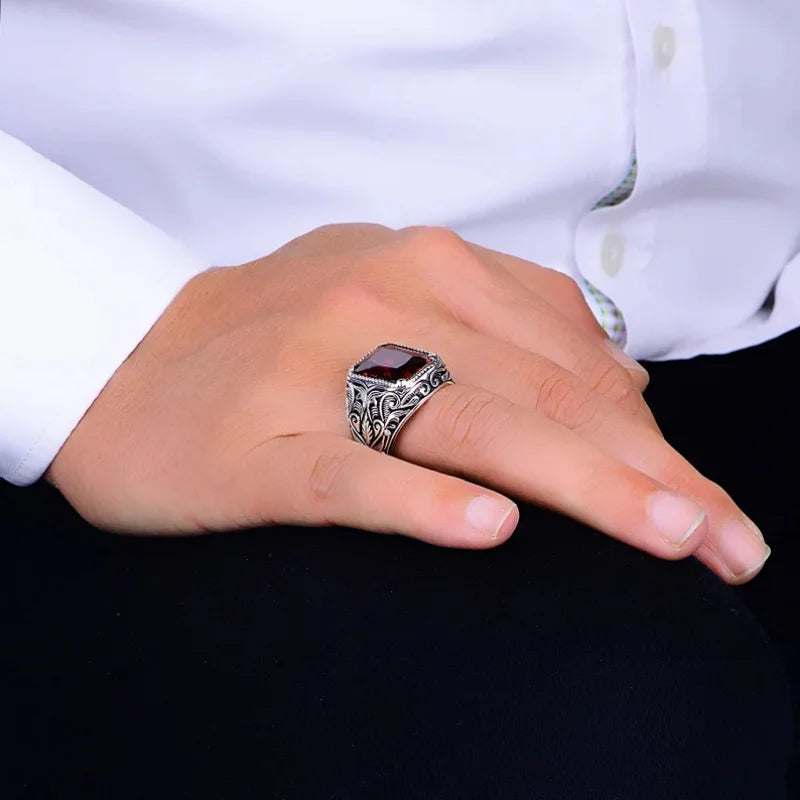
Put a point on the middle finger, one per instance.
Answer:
(504, 308)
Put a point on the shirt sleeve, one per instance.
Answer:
(82, 280)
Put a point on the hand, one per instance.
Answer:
(230, 413)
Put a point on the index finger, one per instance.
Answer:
(565, 300)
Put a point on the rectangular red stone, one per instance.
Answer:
(391, 363)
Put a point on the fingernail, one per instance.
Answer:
(675, 517)
(621, 357)
(742, 548)
(488, 514)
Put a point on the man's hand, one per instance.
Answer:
(230, 413)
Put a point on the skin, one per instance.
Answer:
(230, 412)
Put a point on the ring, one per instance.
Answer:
(386, 387)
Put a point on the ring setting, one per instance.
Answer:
(386, 387)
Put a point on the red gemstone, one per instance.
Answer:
(391, 364)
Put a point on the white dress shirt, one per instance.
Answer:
(232, 127)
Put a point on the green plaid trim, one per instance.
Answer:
(623, 191)
(607, 313)
(609, 316)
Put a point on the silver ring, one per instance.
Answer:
(386, 387)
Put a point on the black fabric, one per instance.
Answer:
(293, 663)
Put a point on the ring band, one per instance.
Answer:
(386, 387)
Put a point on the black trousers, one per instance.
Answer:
(292, 663)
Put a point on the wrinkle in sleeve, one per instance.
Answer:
(82, 280)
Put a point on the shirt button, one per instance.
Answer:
(613, 252)
(663, 46)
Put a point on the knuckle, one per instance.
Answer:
(470, 419)
(350, 232)
(566, 285)
(438, 256)
(575, 301)
(566, 400)
(614, 381)
(565, 289)
(435, 245)
(565, 293)
(323, 230)
(327, 473)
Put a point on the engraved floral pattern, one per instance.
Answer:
(376, 410)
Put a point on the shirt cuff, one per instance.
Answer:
(82, 280)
